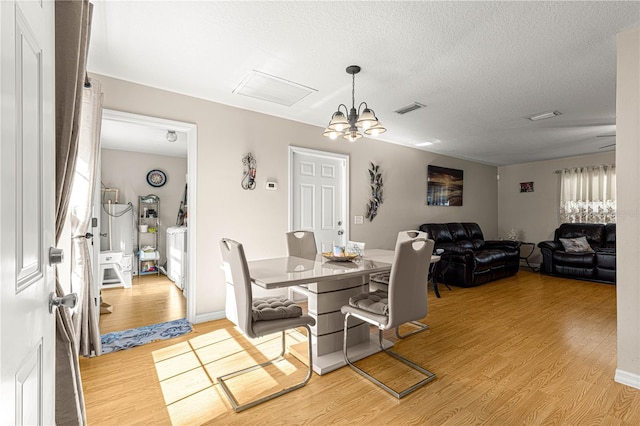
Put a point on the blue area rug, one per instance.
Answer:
(126, 339)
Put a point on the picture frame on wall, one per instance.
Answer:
(526, 186)
(444, 186)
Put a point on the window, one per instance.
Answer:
(588, 194)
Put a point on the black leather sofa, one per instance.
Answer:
(468, 259)
(596, 265)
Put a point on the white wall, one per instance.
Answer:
(259, 218)
(628, 232)
(536, 214)
(127, 171)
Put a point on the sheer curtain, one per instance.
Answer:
(72, 25)
(85, 319)
(588, 194)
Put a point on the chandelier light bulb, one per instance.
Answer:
(375, 130)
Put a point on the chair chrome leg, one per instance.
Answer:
(421, 327)
(238, 407)
(429, 375)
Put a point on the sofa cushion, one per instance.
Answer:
(606, 258)
(487, 259)
(578, 260)
(576, 245)
(457, 232)
(473, 231)
(594, 232)
(466, 244)
(610, 235)
(477, 244)
(438, 232)
(575, 272)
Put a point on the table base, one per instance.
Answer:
(324, 364)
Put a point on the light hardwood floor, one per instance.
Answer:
(152, 299)
(528, 349)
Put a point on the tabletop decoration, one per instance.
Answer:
(346, 257)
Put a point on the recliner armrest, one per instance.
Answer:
(502, 244)
(458, 250)
(550, 245)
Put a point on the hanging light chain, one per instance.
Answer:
(353, 90)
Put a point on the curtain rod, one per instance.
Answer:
(584, 167)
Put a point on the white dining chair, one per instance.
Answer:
(381, 281)
(405, 301)
(301, 244)
(259, 317)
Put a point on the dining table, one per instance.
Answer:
(328, 286)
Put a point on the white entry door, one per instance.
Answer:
(318, 195)
(27, 188)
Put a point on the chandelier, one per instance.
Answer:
(349, 124)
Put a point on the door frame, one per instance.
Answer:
(345, 182)
(191, 129)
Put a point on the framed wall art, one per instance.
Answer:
(444, 186)
(526, 186)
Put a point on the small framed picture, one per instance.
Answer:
(526, 186)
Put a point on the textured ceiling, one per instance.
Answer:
(481, 68)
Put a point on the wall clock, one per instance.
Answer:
(156, 178)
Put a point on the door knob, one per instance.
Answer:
(340, 232)
(56, 255)
(70, 301)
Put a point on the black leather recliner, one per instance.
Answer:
(469, 259)
(598, 265)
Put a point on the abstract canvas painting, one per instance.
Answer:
(444, 186)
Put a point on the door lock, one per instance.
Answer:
(56, 256)
(70, 301)
(340, 232)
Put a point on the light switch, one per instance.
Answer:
(358, 220)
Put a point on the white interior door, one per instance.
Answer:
(318, 195)
(27, 188)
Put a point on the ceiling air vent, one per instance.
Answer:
(412, 107)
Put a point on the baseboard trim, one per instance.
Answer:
(212, 316)
(628, 379)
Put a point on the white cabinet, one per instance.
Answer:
(177, 255)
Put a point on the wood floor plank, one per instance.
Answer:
(150, 300)
(528, 349)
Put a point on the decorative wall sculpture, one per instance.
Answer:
(249, 175)
(375, 179)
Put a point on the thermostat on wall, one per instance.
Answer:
(272, 186)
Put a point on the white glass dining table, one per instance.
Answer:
(329, 285)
